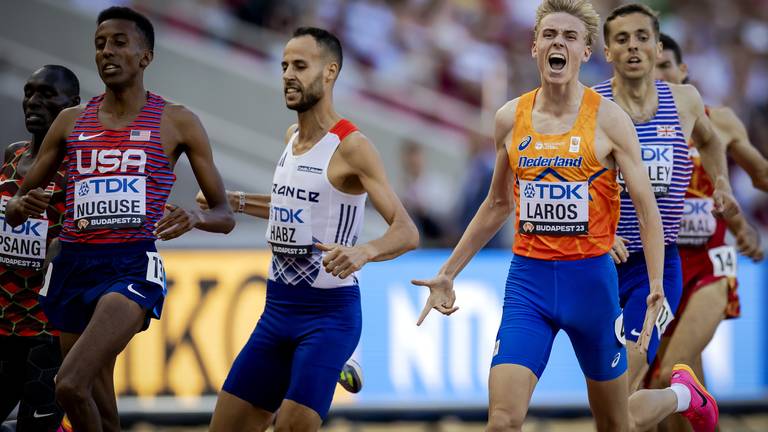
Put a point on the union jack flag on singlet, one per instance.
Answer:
(118, 179)
(665, 156)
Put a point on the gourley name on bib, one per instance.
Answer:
(659, 161)
(110, 202)
(23, 246)
(554, 208)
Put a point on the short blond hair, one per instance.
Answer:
(581, 9)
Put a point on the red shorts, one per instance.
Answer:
(699, 271)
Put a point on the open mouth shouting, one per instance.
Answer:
(557, 61)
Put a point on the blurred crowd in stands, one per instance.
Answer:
(460, 48)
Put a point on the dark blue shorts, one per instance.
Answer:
(298, 347)
(634, 289)
(581, 297)
(83, 272)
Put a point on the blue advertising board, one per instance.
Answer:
(445, 361)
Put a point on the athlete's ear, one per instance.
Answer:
(684, 69)
(659, 48)
(533, 47)
(587, 53)
(75, 101)
(607, 52)
(146, 58)
(332, 71)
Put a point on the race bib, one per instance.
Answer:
(665, 318)
(110, 202)
(155, 269)
(698, 223)
(554, 208)
(23, 246)
(659, 161)
(290, 231)
(723, 261)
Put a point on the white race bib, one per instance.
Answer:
(659, 162)
(665, 318)
(23, 246)
(698, 223)
(290, 230)
(554, 208)
(723, 261)
(110, 202)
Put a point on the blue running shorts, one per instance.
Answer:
(84, 272)
(634, 289)
(579, 296)
(298, 347)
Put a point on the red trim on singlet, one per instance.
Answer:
(343, 128)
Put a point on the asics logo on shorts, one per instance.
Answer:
(616, 359)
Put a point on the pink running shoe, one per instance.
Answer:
(702, 412)
(65, 425)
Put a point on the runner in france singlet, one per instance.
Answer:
(305, 209)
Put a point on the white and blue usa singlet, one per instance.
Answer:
(666, 156)
(306, 208)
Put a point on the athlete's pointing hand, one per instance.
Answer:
(441, 296)
(342, 261)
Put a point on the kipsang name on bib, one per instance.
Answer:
(24, 245)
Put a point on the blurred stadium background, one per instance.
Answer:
(421, 78)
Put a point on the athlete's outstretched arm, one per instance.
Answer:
(252, 204)
(31, 198)
(626, 152)
(712, 152)
(194, 141)
(400, 237)
(739, 147)
(490, 217)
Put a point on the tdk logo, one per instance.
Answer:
(108, 185)
(286, 215)
(524, 143)
(28, 228)
(553, 191)
(109, 160)
(656, 153)
(696, 207)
